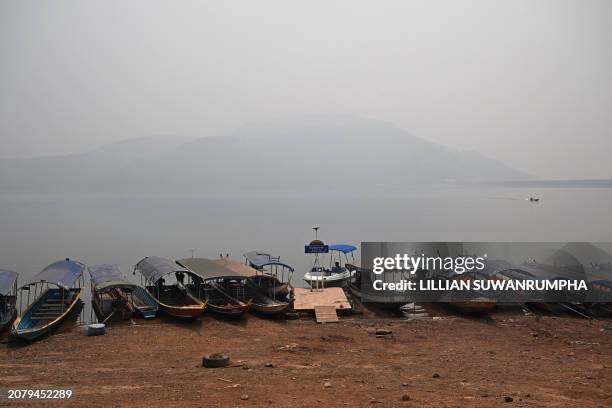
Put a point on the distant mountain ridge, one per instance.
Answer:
(331, 152)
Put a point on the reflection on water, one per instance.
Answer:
(39, 229)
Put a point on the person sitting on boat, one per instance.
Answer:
(180, 277)
(337, 268)
(160, 285)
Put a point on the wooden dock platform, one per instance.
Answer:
(307, 299)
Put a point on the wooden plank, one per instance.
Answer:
(307, 299)
(326, 314)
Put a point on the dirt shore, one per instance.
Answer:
(450, 361)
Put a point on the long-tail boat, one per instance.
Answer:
(8, 297)
(223, 289)
(114, 297)
(273, 276)
(56, 293)
(468, 302)
(261, 286)
(176, 297)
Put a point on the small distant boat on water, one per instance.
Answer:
(534, 199)
(56, 295)
(176, 297)
(336, 275)
(223, 289)
(114, 297)
(8, 297)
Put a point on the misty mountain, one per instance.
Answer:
(330, 152)
(76, 171)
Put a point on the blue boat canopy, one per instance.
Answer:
(344, 248)
(153, 268)
(259, 259)
(104, 276)
(7, 281)
(61, 273)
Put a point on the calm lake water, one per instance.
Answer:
(39, 229)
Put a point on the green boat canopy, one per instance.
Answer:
(107, 276)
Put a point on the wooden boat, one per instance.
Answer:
(551, 302)
(8, 297)
(474, 306)
(175, 297)
(223, 289)
(470, 302)
(114, 297)
(56, 295)
(378, 300)
(599, 299)
(273, 276)
(263, 293)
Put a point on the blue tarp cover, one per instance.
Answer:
(342, 248)
(61, 273)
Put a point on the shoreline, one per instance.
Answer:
(450, 360)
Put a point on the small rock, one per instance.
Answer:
(535, 334)
(270, 365)
(435, 375)
(405, 397)
(383, 332)
(327, 385)
(404, 384)
(508, 399)
(244, 397)
(245, 367)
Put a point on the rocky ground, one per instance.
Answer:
(506, 359)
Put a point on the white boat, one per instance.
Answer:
(336, 275)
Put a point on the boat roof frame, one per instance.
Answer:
(106, 276)
(258, 260)
(157, 267)
(64, 274)
(8, 281)
(208, 269)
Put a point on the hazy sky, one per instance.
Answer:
(526, 82)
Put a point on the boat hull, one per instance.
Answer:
(23, 328)
(473, 306)
(183, 312)
(146, 305)
(6, 319)
(269, 310)
(184, 304)
(230, 311)
(334, 280)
